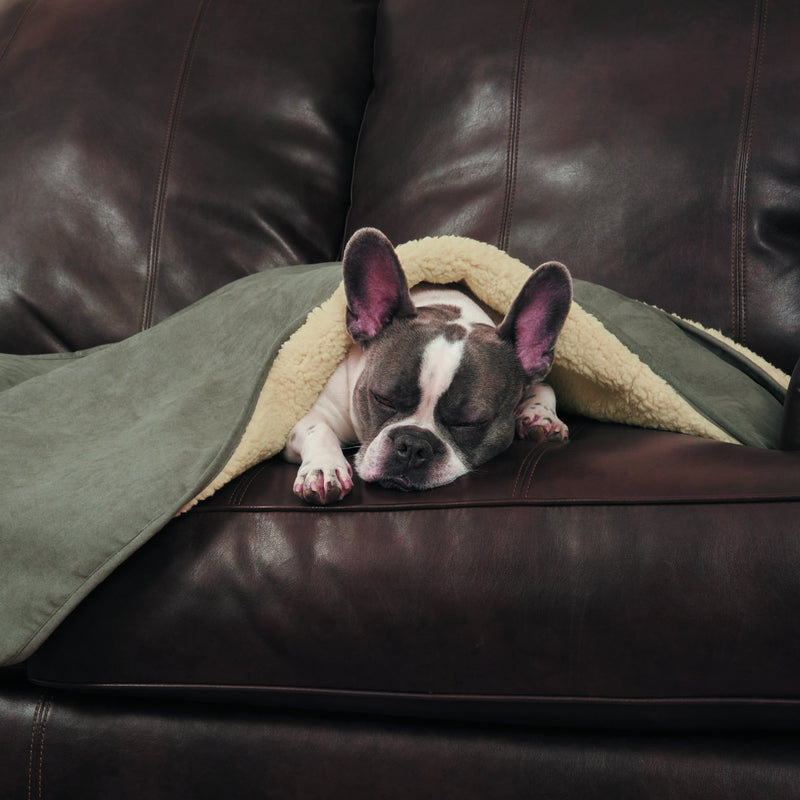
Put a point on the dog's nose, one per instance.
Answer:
(414, 447)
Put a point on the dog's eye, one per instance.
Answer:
(382, 401)
(470, 424)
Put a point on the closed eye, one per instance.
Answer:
(481, 423)
(383, 401)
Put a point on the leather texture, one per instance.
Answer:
(614, 618)
(651, 150)
(557, 572)
(153, 150)
(130, 749)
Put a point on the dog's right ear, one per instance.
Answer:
(374, 285)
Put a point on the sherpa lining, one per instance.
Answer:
(595, 374)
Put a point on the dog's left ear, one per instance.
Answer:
(536, 317)
(374, 284)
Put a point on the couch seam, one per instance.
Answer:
(742, 171)
(354, 165)
(159, 200)
(555, 501)
(25, 14)
(546, 448)
(31, 746)
(45, 719)
(238, 494)
(520, 471)
(514, 125)
(233, 494)
(41, 715)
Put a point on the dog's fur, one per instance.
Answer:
(430, 388)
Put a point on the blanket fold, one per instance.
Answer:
(101, 448)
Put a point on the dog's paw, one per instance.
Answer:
(322, 484)
(538, 423)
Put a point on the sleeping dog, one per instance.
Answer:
(430, 388)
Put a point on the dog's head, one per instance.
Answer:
(438, 391)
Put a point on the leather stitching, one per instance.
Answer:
(45, 718)
(41, 715)
(237, 497)
(541, 454)
(753, 122)
(743, 151)
(512, 152)
(31, 747)
(159, 201)
(531, 455)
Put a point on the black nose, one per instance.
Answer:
(413, 447)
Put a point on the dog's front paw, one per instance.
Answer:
(322, 484)
(538, 423)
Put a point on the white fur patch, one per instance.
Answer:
(440, 361)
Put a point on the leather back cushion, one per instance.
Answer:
(152, 150)
(653, 148)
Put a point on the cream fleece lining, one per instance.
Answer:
(594, 374)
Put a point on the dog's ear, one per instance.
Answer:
(374, 285)
(536, 317)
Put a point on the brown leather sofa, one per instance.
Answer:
(616, 618)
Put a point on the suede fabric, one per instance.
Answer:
(103, 447)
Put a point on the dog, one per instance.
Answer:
(430, 388)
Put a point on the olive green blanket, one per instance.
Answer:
(101, 448)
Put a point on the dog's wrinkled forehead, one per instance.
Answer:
(477, 354)
(443, 320)
(410, 336)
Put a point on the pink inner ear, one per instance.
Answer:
(536, 317)
(375, 285)
(380, 304)
(534, 341)
(374, 308)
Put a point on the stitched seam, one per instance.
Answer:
(239, 491)
(17, 27)
(234, 490)
(515, 122)
(735, 276)
(743, 150)
(519, 475)
(751, 132)
(159, 201)
(32, 746)
(522, 468)
(541, 455)
(509, 144)
(244, 486)
(45, 718)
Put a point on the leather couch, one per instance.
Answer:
(613, 618)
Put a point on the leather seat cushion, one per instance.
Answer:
(639, 574)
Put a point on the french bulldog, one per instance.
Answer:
(430, 388)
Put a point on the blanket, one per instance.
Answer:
(101, 448)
